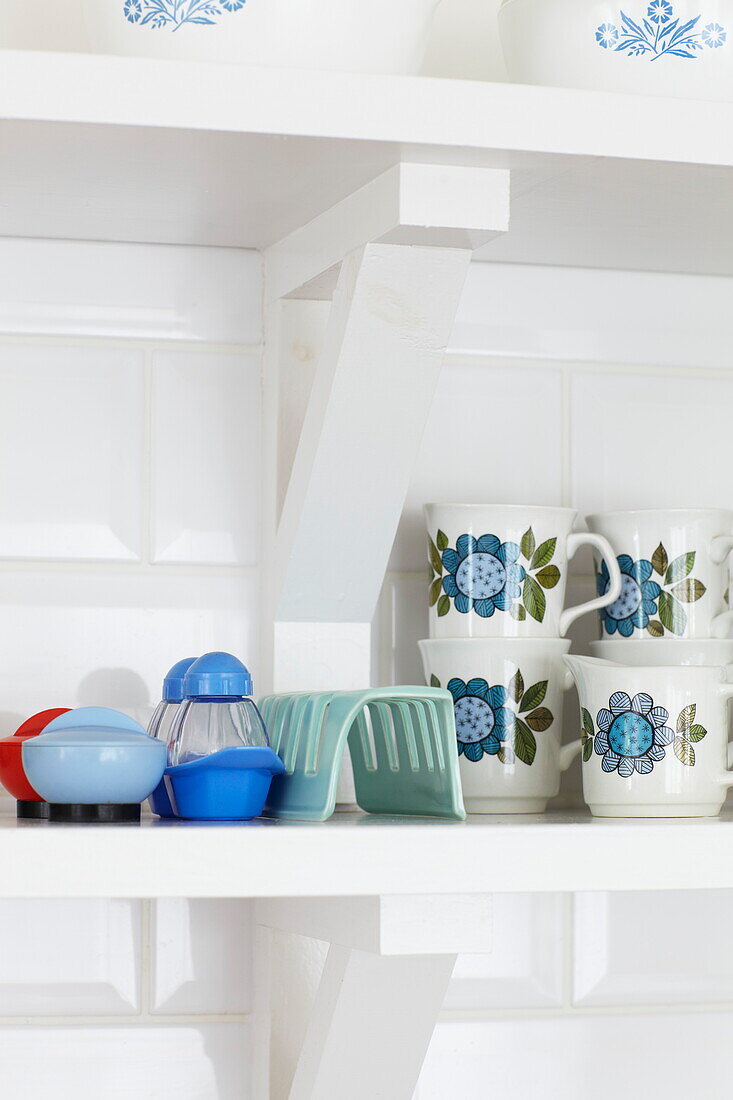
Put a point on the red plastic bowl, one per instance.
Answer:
(12, 773)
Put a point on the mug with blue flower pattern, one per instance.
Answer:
(674, 573)
(654, 738)
(501, 570)
(508, 703)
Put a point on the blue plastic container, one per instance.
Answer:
(161, 726)
(231, 785)
(94, 757)
(220, 764)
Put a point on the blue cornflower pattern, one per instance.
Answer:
(638, 600)
(482, 574)
(659, 34)
(133, 10)
(173, 14)
(607, 35)
(713, 35)
(483, 722)
(659, 11)
(632, 734)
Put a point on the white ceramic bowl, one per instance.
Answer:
(653, 47)
(382, 36)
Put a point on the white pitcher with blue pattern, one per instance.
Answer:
(654, 738)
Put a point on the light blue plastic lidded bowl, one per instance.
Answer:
(220, 764)
(94, 756)
(161, 726)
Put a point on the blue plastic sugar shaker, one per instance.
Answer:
(161, 726)
(220, 764)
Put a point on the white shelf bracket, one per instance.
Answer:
(394, 255)
(386, 973)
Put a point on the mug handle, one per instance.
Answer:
(569, 752)
(604, 548)
(720, 548)
(726, 779)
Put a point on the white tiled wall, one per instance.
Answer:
(129, 535)
(129, 438)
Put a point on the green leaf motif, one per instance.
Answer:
(528, 543)
(533, 696)
(587, 750)
(506, 755)
(435, 588)
(587, 722)
(525, 745)
(543, 554)
(434, 681)
(686, 718)
(655, 628)
(443, 606)
(680, 568)
(442, 541)
(696, 733)
(516, 686)
(540, 719)
(434, 557)
(534, 599)
(660, 561)
(518, 612)
(549, 576)
(684, 752)
(689, 590)
(672, 613)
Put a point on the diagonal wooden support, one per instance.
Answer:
(448, 206)
(388, 967)
(371, 1025)
(390, 322)
(394, 256)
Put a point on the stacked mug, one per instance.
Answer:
(654, 694)
(497, 641)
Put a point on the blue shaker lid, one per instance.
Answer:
(216, 675)
(173, 683)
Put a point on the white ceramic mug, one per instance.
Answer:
(673, 652)
(674, 565)
(655, 740)
(501, 571)
(508, 700)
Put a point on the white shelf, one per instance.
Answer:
(359, 855)
(134, 150)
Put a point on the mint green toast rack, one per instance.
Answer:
(403, 749)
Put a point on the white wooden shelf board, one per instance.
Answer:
(359, 855)
(106, 148)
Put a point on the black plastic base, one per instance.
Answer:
(82, 814)
(36, 810)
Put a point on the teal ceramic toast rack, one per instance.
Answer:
(402, 742)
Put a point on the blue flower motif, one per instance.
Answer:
(483, 574)
(483, 723)
(714, 35)
(606, 35)
(659, 11)
(232, 5)
(632, 734)
(133, 10)
(637, 602)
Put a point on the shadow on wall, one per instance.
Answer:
(9, 722)
(120, 688)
